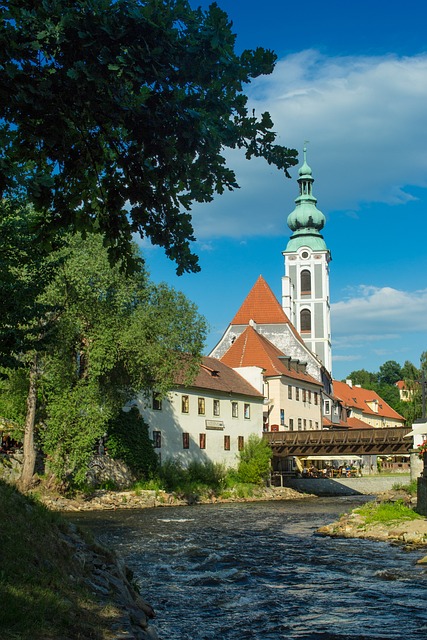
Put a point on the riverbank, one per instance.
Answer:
(411, 533)
(142, 499)
(59, 584)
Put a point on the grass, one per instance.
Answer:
(387, 512)
(410, 487)
(42, 594)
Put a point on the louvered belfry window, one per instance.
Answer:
(305, 281)
(305, 318)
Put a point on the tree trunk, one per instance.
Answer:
(29, 461)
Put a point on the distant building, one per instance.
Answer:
(209, 420)
(405, 394)
(364, 405)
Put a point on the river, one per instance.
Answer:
(259, 571)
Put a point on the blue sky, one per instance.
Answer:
(351, 78)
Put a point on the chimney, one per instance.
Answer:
(349, 383)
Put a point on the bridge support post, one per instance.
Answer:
(422, 489)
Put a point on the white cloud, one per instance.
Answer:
(374, 313)
(364, 117)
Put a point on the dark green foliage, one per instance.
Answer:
(128, 440)
(197, 476)
(384, 383)
(254, 465)
(390, 372)
(362, 377)
(115, 115)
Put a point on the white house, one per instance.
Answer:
(209, 420)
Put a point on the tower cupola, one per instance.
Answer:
(306, 221)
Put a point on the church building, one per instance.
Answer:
(291, 341)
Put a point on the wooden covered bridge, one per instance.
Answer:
(389, 441)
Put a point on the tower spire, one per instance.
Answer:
(306, 221)
(305, 285)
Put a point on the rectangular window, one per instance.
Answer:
(240, 443)
(247, 411)
(296, 393)
(327, 406)
(305, 424)
(309, 396)
(282, 417)
(216, 407)
(234, 409)
(226, 443)
(185, 404)
(202, 440)
(311, 424)
(156, 402)
(304, 395)
(201, 406)
(289, 392)
(291, 424)
(299, 424)
(316, 398)
(317, 425)
(185, 440)
(157, 439)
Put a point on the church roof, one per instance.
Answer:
(361, 399)
(262, 306)
(251, 349)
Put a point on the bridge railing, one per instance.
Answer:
(389, 440)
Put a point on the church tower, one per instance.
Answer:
(305, 285)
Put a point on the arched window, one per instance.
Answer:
(305, 320)
(305, 281)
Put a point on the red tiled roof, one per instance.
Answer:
(252, 349)
(217, 376)
(356, 423)
(261, 305)
(358, 398)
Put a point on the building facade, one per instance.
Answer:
(209, 420)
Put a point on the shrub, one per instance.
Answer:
(128, 440)
(208, 473)
(254, 465)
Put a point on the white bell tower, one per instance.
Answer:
(305, 285)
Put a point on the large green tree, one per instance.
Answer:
(115, 115)
(110, 336)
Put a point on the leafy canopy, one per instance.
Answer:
(115, 115)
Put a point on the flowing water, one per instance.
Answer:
(259, 571)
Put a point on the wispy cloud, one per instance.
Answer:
(364, 118)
